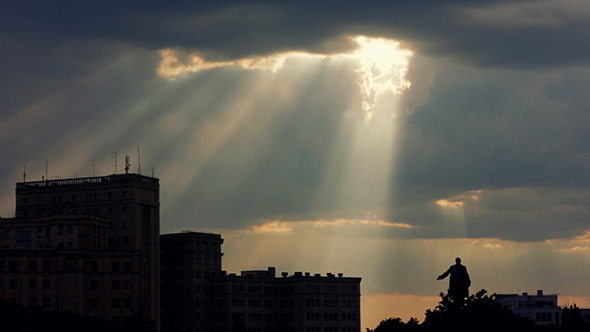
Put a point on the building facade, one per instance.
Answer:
(198, 296)
(86, 245)
(188, 261)
(541, 308)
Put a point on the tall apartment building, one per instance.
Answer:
(198, 296)
(86, 245)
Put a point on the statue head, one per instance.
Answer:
(458, 260)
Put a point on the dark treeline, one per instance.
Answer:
(480, 312)
(17, 318)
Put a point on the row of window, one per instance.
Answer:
(314, 288)
(115, 284)
(116, 303)
(95, 211)
(330, 316)
(75, 197)
(46, 265)
(33, 265)
(116, 266)
(257, 289)
(34, 301)
(45, 283)
(330, 303)
(331, 329)
(31, 284)
(191, 246)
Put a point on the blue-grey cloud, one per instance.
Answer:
(493, 33)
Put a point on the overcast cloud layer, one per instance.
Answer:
(491, 141)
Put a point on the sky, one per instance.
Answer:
(376, 139)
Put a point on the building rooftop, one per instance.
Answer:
(85, 180)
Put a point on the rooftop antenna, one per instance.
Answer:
(93, 168)
(138, 162)
(46, 169)
(127, 164)
(115, 162)
(25, 173)
(153, 171)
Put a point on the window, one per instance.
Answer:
(13, 283)
(46, 302)
(46, 265)
(115, 284)
(32, 283)
(13, 265)
(74, 197)
(115, 303)
(94, 303)
(94, 265)
(115, 266)
(23, 239)
(126, 284)
(94, 284)
(32, 265)
(46, 283)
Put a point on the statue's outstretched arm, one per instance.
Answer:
(444, 275)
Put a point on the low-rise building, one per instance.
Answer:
(198, 296)
(541, 308)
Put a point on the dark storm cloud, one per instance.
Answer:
(73, 71)
(486, 128)
(494, 33)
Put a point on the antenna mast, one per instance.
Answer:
(25, 173)
(115, 162)
(127, 164)
(138, 162)
(46, 169)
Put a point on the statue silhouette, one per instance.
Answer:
(459, 282)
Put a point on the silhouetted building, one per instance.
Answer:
(198, 296)
(91, 246)
(85, 245)
(540, 308)
(188, 260)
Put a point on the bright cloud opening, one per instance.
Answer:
(382, 67)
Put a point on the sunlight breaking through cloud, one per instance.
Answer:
(382, 67)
